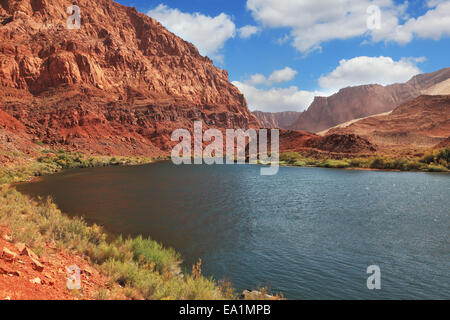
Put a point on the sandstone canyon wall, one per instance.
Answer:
(118, 85)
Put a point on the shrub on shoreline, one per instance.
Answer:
(143, 267)
(437, 158)
(435, 161)
(55, 161)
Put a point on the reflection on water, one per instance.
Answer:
(309, 233)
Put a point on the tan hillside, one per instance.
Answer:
(363, 101)
(420, 123)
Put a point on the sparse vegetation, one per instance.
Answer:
(433, 161)
(55, 161)
(437, 158)
(143, 267)
(39, 143)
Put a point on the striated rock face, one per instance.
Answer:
(118, 85)
(13, 139)
(422, 122)
(363, 101)
(277, 120)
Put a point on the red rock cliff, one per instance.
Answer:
(118, 85)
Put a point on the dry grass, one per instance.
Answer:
(143, 267)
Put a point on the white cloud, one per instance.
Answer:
(352, 72)
(434, 24)
(284, 39)
(248, 31)
(278, 76)
(256, 79)
(208, 34)
(276, 99)
(283, 75)
(370, 70)
(312, 23)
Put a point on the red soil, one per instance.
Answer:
(16, 276)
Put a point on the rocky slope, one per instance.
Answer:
(362, 101)
(443, 144)
(330, 146)
(343, 143)
(118, 85)
(26, 276)
(420, 123)
(277, 120)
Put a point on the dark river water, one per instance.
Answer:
(308, 233)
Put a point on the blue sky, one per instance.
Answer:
(281, 53)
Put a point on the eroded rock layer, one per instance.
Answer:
(118, 85)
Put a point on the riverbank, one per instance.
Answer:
(133, 268)
(136, 268)
(431, 161)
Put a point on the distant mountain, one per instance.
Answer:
(442, 88)
(277, 120)
(363, 101)
(422, 122)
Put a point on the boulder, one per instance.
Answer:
(7, 238)
(30, 253)
(257, 295)
(37, 265)
(88, 271)
(8, 255)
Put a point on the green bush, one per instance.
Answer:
(339, 164)
(436, 168)
(290, 157)
(443, 155)
(413, 165)
(440, 157)
(144, 267)
(378, 163)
